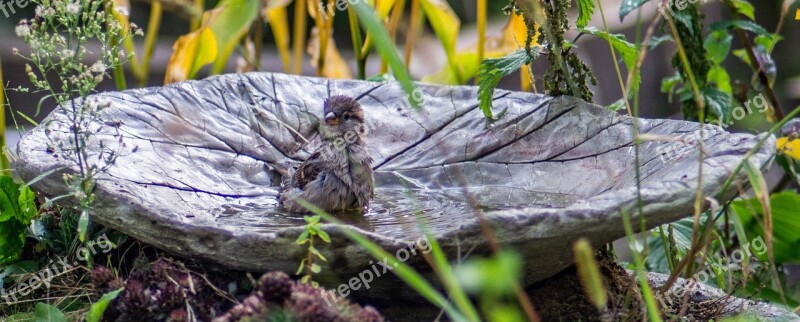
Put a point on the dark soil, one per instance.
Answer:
(562, 297)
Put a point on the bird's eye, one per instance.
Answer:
(346, 116)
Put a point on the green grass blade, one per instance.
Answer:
(402, 270)
(386, 48)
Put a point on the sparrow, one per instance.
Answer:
(338, 175)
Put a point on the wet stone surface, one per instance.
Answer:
(204, 177)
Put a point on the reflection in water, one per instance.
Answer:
(392, 211)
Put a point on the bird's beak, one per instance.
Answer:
(331, 119)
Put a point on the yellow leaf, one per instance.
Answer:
(789, 147)
(513, 37)
(275, 14)
(383, 8)
(335, 65)
(446, 25)
(190, 53)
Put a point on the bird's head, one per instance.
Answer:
(343, 118)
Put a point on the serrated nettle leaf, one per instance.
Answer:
(656, 41)
(719, 76)
(492, 71)
(717, 102)
(585, 11)
(718, 45)
(768, 41)
(628, 51)
(744, 8)
(740, 24)
(669, 84)
(684, 18)
(627, 6)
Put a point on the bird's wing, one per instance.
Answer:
(307, 171)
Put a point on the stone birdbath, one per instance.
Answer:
(198, 175)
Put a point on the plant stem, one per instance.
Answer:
(194, 24)
(258, 42)
(777, 113)
(299, 34)
(481, 29)
(358, 42)
(4, 164)
(153, 26)
(415, 21)
(397, 13)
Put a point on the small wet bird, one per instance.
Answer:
(338, 175)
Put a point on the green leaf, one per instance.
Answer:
(17, 268)
(628, 51)
(445, 25)
(9, 199)
(685, 18)
(744, 8)
(718, 102)
(233, 22)
(617, 105)
(12, 240)
(785, 225)
(740, 24)
(656, 41)
(311, 219)
(383, 42)
(719, 76)
(48, 313)
(718, 45)
(314, 251)
(680, 233)
(324, 236)
(585, 11)
(83, 225)
(669, 84)
(27, 204)
(627, 6)
(315, 268)
(303, 238)
(96, 311)
(768, 41)
(495, 276)
(302, 265)
(490, 73)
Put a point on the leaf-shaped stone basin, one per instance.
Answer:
(201, 182)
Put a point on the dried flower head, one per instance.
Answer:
(73, 8)
(23, 30)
